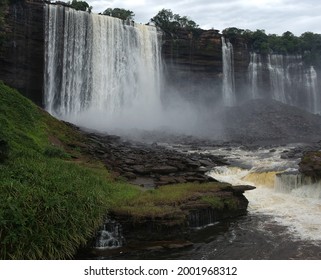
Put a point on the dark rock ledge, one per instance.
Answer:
(150, 165)
(154, 166)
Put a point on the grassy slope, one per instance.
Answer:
(49, 204)
(53, 196)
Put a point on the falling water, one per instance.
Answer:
(98, 66)
(229, 98)
(293, 200)
(312, 87)
(286, 80)
(110, 236)
(254, 69)
(277, 77)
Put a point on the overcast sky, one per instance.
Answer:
(274, 16)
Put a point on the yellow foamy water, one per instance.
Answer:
(261, 179)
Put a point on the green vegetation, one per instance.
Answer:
(49, 205)
(169, 201)
(170, 23)
(119, 13)
(308, 44)
(53, 196)
(80, 5)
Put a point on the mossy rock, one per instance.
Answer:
(310, 164)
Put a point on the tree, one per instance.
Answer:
(80, 5)
(169, 22)
(119, 13)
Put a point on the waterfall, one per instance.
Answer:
(110, 236)
(254, 69)
(311, 79)
(298, 185)
(292, 199)
(284, 78)
(277, 77)
(98, 67)
(229, 98)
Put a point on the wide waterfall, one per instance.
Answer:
(99, 68)
(228, 73)
(286, 79)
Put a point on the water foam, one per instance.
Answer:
(291, 200)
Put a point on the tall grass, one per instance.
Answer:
(49, 205)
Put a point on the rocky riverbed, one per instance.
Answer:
(150, 165)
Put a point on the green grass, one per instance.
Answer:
(49, 205)
(168, 202)
(53, 196)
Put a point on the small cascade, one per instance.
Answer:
(265, 179)
(110, 236)
(228, 89)
(202, 218)
(293, 200)
(298, 185)
(311, 80)
(254, 70)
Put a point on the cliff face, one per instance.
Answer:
(22, 56)
(193, 62)
(194, 65)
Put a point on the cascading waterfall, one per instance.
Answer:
(288, 80)
(254, 69)
(278, 77)
(97, 67)
(110, 236)
(311, 79)
(293, 200)
(67, 60)
(228, 89)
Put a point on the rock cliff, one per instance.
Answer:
(22, 55)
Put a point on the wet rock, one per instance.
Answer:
(310, 164)
(165, 169)
(151, 165)
(141, 169)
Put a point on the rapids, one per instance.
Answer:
(293, 200)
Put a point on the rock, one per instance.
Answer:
(165, 169)
(310, 164)
(129, 175)
(141, 169)
(242, 188)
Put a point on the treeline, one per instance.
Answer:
(308, 44)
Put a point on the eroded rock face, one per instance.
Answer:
(22, 55)
(310, 164)
(194, 65)
(199, 210)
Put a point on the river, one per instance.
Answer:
(283, 219)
